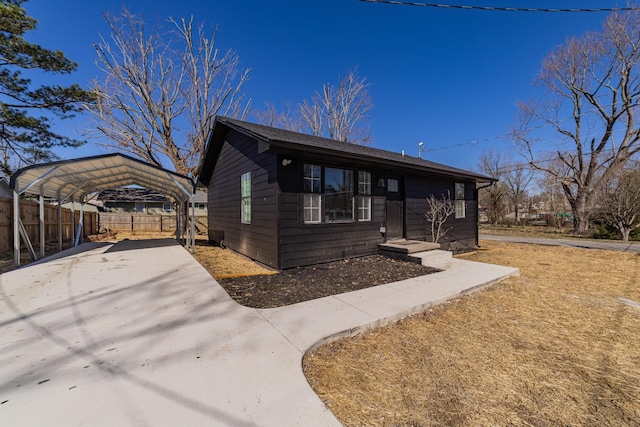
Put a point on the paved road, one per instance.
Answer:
(576, 243)
(139, 334)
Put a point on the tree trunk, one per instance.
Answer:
(624, 234)
(580, 222)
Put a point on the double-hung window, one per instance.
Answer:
(312, 195)
(245, 196)
(460, 201)
(364, 196)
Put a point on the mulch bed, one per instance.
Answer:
(307, 283)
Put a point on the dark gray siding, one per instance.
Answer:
(463, 232)
(257, 240)
(306, 244)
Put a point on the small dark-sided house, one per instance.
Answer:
(288, 199)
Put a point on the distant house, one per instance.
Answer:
(144, 201)
(135, 200)
(288, 199)
(199, 203)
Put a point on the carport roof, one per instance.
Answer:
(75, 178)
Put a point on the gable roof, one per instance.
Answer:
(74, 179)
(289, 140)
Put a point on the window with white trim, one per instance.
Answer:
(312, 199)
(245, 198)
(460, 203)
(335, 195)
(166, 207)
(364, 196)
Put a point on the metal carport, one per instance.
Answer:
(75, 179)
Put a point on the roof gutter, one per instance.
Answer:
(487, 185)
(283, 145)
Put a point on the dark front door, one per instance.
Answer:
(395, 208)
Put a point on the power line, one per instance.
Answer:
(502, 9)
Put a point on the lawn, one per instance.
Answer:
(559, 345)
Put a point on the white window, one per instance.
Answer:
(364, 208)
(166, 207)
(245, 206)
(312, 178)
(312, 208)
(460, 203)
(312, 203)
(335, 195)
(364, 196)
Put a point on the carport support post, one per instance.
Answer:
(193, 225)
(59, 222)
(16, 229)
(73, 221)
(42, 237)
(80, 227)
(177, 221)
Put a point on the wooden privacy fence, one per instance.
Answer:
(30, 215)
(144, 222)
(136, 222)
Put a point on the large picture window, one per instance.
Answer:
(460, 203)
(338, 195)
(335, 195)
(245, 206)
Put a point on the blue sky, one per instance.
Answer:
(441, 76)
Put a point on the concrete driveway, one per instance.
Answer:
(138, 333)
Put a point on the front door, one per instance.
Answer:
(395, 208)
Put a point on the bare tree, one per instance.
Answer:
(439, 210)
(338, 112)
(161, 92)
(554, 199)
(345, 108)
(594, 81)
(517, 179)
(494, 164)
(619, 203)
(285, 118)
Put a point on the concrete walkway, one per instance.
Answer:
(138, 334)
(575, 243)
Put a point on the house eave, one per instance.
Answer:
(284, 147)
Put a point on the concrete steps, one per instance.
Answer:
(435, 258)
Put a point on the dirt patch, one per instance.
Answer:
(555, 346)
(307, 283)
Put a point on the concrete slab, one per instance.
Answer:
(138, 333)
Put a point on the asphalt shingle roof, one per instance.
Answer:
(294, 140)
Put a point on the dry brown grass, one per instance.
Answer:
(555, 346)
